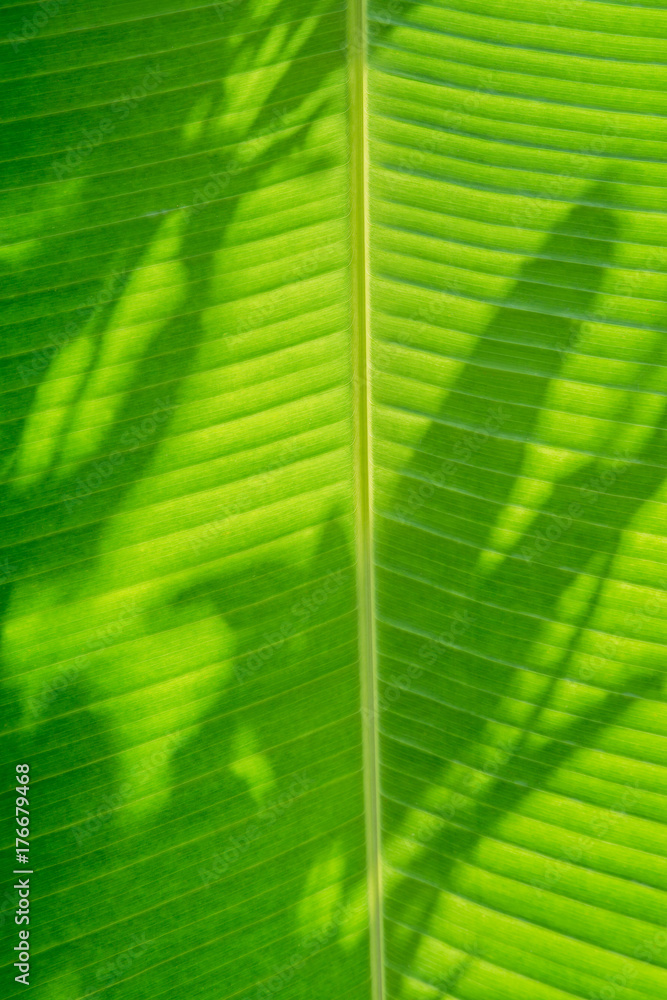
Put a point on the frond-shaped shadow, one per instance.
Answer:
(510, 680)
(183, 682)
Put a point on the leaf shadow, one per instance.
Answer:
(130, 830)
(492, 665)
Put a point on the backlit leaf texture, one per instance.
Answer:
(333, 497)
(519, 280)
(179, 636)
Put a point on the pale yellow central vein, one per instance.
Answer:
(358, 124)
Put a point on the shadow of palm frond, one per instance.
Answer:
(510, 682)
(123, 634)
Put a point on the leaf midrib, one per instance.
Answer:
(358, 124)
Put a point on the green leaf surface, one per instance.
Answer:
(332, 434)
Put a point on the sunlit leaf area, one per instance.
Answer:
(333, 567)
